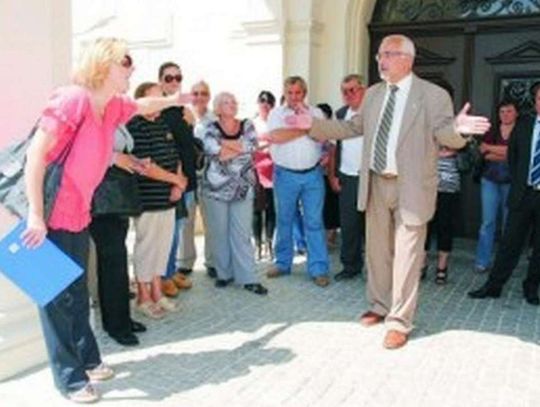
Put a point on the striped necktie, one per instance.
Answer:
(534, 171)
(381, 140)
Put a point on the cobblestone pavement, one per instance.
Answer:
(302, 346)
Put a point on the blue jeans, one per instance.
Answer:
(299, 237)
(290, 188)
(70, 342)
(494, 198)
(189, 199)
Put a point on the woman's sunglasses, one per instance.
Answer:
(170, 78)
(127, 61)
(199, 93)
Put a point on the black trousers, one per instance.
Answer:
(109, 233)
(442, 223)
(266, 217)
(69, 339)
(353, 225)
(520, 223)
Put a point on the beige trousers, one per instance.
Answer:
(153, 241)
(394, 256)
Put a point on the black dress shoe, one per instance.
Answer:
(128, 339)
(256, 289)
(486, 291)
(212, 272)
(346, 275)
(184, 271)
(530, 293)
(137, 327)
(223, 283)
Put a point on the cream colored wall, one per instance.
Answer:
(233, 45)
(35, 48)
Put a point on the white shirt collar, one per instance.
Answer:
(404, 84)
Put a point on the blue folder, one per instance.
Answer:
(42, 273)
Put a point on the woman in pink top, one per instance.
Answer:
(85, 114)
(263, 206)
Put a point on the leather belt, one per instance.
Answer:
(388, 176)
(299, 171)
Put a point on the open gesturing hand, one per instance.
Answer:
(469, 124)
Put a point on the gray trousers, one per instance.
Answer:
(229, 223)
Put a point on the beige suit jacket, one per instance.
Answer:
(428, 121)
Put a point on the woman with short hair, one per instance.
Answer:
(227, 188)
(83, 116)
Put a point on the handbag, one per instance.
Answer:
(12, 184)
(117, 194)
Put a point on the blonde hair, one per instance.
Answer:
(218, 100)
(96, 60)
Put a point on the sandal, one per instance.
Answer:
(441, 276)
(87, 394)
(150, 310)
(100, 373)
(167, 305)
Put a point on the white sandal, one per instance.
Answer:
(167, 305)
(100, 373)
(88, 394)
(150, 310)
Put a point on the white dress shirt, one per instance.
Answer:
(351, 151)
(298, 154)
(404, 87)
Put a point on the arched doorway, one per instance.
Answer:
(483, 50)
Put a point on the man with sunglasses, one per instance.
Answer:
(344, 179)
(180, 121)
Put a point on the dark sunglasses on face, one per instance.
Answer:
(170, 78)
(127, 61)
(201, 93)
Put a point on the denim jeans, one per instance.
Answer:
(70, 342)
(308, 189)
(494, 198)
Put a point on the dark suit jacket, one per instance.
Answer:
(519, 157)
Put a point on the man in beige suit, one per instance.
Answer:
(403, 120)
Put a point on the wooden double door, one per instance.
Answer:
(478, 61)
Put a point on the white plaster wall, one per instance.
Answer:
(233, 45)
(35, 49)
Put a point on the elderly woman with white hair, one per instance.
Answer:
(227, 189)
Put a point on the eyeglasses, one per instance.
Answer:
(389, 54)
(170, 78)
(127, 61)
(350, 91)
(200, 93)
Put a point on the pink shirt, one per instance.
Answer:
(67, 110)
(262, 158)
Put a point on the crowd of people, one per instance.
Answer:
(267, 188)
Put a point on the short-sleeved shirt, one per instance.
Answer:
(154, 140)
(298, 154)
(69, 117)
(262, 158)
(229, 180)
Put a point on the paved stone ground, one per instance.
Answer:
(302, 346)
